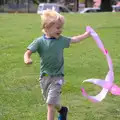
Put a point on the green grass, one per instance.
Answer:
(20, 95)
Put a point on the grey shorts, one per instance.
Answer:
(51, 89)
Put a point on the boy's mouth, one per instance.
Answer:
(58, 33)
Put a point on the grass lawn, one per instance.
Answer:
(20, 95)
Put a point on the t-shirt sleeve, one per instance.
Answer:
(67, 41)
(34, 46)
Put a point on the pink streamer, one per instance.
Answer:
(107, 84)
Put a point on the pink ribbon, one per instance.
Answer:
(107, 84)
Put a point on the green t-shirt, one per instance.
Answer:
(51, 54)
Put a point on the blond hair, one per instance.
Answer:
(49, 18)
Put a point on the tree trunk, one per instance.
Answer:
(106, 5)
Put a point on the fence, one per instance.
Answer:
(23, 6)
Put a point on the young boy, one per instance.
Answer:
(50, 48)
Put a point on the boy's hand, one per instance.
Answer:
(87, 34)
(28, 61)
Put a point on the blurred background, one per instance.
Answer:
(31, 6)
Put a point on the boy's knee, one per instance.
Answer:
(51, 106)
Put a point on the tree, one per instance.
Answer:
(36, 2)
(106, 5)
(88, 3)
(44, 1)
(1, 2)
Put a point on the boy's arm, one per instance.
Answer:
(27, 59)
(78, 38)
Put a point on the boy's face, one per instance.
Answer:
(55, 30)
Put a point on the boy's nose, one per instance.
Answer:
(60, 30)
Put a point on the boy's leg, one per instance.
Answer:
(51, 112)
(51, 89)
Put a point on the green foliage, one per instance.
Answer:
(36, 2)
(82, 1)
(20, 95)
